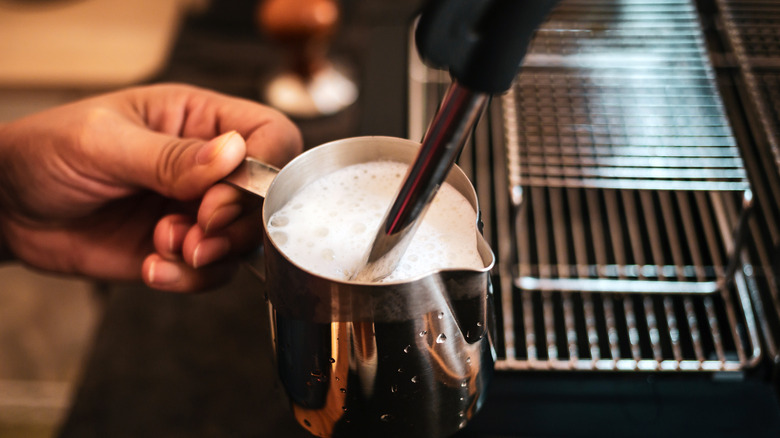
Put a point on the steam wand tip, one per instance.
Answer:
(447, 134)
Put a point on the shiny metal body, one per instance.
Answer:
(252, 176)
(396, 359)
(448, 132)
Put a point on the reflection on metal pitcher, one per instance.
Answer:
(420, 377)
(406, 358)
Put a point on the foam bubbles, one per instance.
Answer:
(328, 226)
(280, 237)
(279, 221)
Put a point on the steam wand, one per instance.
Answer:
(443, 142)
(481, 43)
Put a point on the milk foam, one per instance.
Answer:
(327, 226)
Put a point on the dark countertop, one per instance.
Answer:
(175, 365)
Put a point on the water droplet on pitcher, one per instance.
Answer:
(441, 338)
(462, 424)
(468, 360)
(306, 422)
(337, 378)
(464, 384)
(441, 315)
(423, 333)
(414, 379)
(332, 360)
(393, 388)
(407, 348)
(461, 414)
(479, 324)
(344, 390)
(344, 408)
(386, 417)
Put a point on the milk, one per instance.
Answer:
(328, 226)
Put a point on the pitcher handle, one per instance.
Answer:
(252, 176)
(255, 263)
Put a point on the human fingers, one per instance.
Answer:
(200, 249)
(174, 167)
(222, 205)
(192, 112)
(177, 276)
(275, 147)
(169, 235)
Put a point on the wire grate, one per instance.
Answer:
(752, 31)
(632, 332)
(613, 165)
(623, 240)
(757, 23)
(620, 118)
(620, 94)
(574, 131)
(614, 194)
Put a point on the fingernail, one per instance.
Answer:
(223, 216)
(176, 233)
(163, 273)
(212, 149)
(210, 250)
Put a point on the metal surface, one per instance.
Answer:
(753, 30)
(585, 239)
(598, 242)
(752, 34)
(252, 176)
(618, 194)
(596, 128)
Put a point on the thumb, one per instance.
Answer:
(185, 168)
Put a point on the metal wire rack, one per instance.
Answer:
(752, 33)
(612, 165)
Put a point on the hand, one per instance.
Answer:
(123, 186)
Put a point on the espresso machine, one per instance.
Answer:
(629, 187)
(628, 179)
(621, 231)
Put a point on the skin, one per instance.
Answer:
(125, 186)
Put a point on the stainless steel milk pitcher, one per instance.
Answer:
(403, 359)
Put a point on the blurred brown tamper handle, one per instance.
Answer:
(311, 85)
